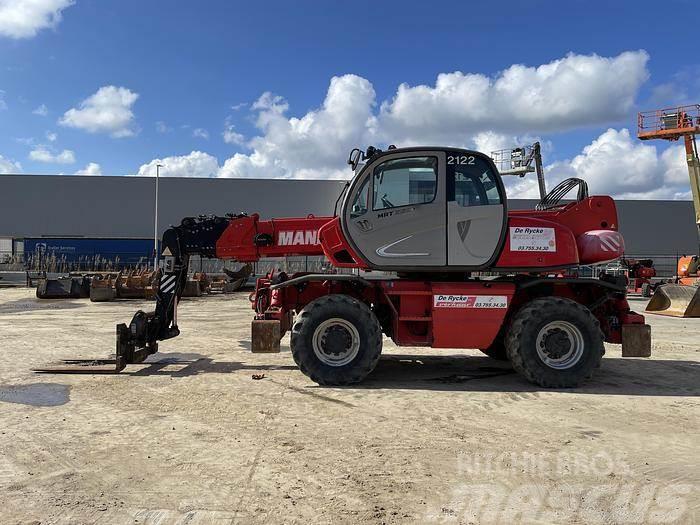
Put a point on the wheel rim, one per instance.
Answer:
(336, 342)
(560, 345)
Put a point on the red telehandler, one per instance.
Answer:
(436, 218)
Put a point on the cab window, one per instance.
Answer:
(474, 182)
(359, 205)
(406, 181)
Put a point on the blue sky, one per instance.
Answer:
(161, 70)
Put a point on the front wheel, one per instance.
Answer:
(555, 342)
(336, 340)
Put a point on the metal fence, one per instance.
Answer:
(87, 262)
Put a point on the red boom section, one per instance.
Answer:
(247, 238)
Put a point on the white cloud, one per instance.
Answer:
(200, 133)
(51, 136)
(41, 110)
(460, 109)
(109, 110)
(231, 136)
(196, 164)
(9, 166)
(617, 164)
(25, 18)
(3, 104)
(574, 91)
(514, 107)
(91, 169)
(313, 145)
(42, 154)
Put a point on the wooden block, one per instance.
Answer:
(265, 337)
(636, 340)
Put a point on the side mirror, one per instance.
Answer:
(354, 158)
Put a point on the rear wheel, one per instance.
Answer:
(336, 340)
(555, 342)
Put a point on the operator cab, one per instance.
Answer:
(425, 208)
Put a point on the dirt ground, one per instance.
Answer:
(431, 437)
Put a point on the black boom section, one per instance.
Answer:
(196, 235)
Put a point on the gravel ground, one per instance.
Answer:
(432, 436)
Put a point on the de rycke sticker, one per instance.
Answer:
(470, 301)
(527, 239)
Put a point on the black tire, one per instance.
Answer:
(368, 334)
(529, 323)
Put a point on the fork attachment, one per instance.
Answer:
(131, 349)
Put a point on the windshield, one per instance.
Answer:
(402, 182)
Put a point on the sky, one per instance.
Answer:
(286, 89)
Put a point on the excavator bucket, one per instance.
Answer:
(676, 300)
(102, 288)
(63, 288)
(238, 278)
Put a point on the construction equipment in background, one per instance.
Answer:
(637, 273)
(69, 287)
(202, 283)
(521, 161)
(103, 287)
(134, 284)
(196, 285)
(681, 298)
(137, 284)
(234, 280)
(426, 219)
(640, 275)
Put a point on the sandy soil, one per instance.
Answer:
(431, 437)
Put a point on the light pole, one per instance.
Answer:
(155, 226)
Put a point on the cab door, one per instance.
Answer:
(476, 210)
(396, 216)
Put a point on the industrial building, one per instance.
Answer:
(114, 215)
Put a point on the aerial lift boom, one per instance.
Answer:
(681, 299)
(520, 161)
